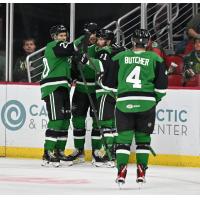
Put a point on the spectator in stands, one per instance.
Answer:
(192, 60)
(154, 46)
(20, 68)
(193, 26)
(192, 30)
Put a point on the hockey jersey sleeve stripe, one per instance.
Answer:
(55, 83)
(88, 83)
(54, 79)
(107, 88)
(100, 90)
(101, 66)
(160, 90)
(75, 48)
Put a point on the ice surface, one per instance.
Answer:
(26, 176)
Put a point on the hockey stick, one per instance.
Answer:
(95, 112)
(80, 66)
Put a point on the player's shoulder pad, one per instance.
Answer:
(78, 40)
(120, 55)
(105, 50)
(51, 44)
(155, 56)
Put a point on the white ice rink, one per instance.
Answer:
(24, 176)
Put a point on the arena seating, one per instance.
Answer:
(178, 62)
(175, 80)
(194, 81)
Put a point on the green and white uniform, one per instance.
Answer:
(81, 103)
(107, 99)
(55, 87)
(141, 82)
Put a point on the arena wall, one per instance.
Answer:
(176, 137)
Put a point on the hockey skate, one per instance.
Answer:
(141, 170)
(121, 176)
(111, 163)
(62, 157)
(77, 157)
(99, 159)
(50, 160)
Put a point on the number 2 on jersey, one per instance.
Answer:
(134, 77)
(46, 68)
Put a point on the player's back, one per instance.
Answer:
(136, 77)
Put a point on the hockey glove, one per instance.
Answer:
(90, 28)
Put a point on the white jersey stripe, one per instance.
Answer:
(160, 90)
(82, 83)
(54, 83)
(136, 98)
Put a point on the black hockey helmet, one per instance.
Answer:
(110, 35)
(106, 34)
(141, 37)
(55, 30)
(91, 27)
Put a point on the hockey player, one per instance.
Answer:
(141, 84)
(55, 87)
(81, 103)
(106, 101)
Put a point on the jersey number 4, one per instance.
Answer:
(134, 77)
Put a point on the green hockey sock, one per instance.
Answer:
(60, 144)
(122, 155)
(142, 150)
(142, 158)
(49, 145)
(96, 139)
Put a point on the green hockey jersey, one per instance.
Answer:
(141, 80)
(105, 55)
(88, 71)
(57, 67)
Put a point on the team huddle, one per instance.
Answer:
(120, 87)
